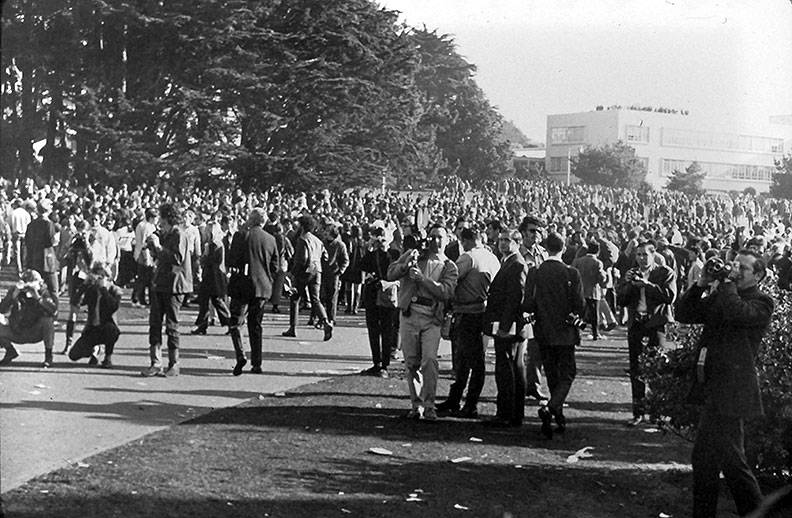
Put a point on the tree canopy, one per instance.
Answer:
(303, 93)
(612, 165)
(689, 181)
(782, 178)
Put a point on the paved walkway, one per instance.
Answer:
(55, 417)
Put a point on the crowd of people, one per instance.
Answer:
(531, 264)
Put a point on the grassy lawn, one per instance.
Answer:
(306, 453)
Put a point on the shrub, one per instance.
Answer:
(669, 372)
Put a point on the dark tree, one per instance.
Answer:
(782, 178)
(688, 181)
(612, 165)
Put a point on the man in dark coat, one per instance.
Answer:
(253, 250)
(214, 281)
(648, 292)
(102, 298)
(40, 238)
(503, 320)
(553, 294)
(735, 316)
(31, 308)
(173, 279)
(333, 267)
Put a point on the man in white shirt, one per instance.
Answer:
(18, 221)
(143, 257)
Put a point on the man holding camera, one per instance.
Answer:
(735, 314)
(102, 298)
(648, 292)
(172, 281)
(427, 284)
(31, 310)
(554, 295)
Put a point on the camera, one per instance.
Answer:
(574, 320)
(716, 268)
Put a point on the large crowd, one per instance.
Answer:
(536, 265)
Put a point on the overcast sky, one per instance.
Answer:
(729, 63)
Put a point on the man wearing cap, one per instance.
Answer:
(427, 284)
(31, 310)
(534, 255)
(40, 241)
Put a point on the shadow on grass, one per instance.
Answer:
(612, 441)
(377, 487)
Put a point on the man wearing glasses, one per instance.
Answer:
(534, 255)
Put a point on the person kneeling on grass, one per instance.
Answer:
(102, 298)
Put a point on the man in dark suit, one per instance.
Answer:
(735, 316)
(647, 292)
(592, 279)
(554, 295)
(39, 243)
(173, 279)
(503, 320)
(255, 250)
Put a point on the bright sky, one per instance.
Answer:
(729, 63)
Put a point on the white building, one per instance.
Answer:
(733, 160)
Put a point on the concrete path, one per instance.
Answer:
(55, 417)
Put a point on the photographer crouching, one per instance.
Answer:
(102, 298)
(31, 310)
(735, 314)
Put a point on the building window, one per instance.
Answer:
(643, 161)
(567, 135)
(558, 163)
(724, 141)
(636, 134)
(760, 173)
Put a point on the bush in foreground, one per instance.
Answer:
(669, 376)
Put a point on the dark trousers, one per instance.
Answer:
(635, 336)
(254, 309)
(331, 285)
(164, 306)
(381, 326)
(560, 369)
(719, 447)
(219, 303)
(510, 379)
(533, 373)
(105, 334)
(468, 359)
(142, 282)
(42, 331)
(592, 318)
(311, 285)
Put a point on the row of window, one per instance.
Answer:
(712, 169)
(720, 170)
(634, 134)
(709, 140)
